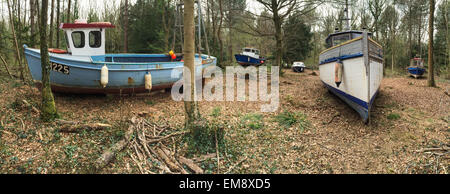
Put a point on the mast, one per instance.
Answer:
(347, 19)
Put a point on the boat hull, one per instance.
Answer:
(84, 73)
(416, 72)
(248, 61)
(362, 73)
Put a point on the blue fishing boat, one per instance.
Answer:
(416, 69)
(84, 68)
(250, 57)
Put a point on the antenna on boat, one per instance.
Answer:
(178, 27)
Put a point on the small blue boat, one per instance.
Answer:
(250, 57)
(416, 69)
(85, 68)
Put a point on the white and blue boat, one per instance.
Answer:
(352, 68)
(85, 68)
(416, 69)
(250, 57)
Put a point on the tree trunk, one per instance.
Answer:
(52, 12)
(191, 107)
(48, 107)
(410, 31)
(419, 39)
(431, 82)
(230, 33)
(19, 59)
(219, 32)
(278, 37)
(166, 24)
(68, 12)
(32, 23)
(125, 28)
(58, 3)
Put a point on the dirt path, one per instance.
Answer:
(327, 136)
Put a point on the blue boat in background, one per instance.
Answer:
(250, 57)
(85, 68)
(416, 69)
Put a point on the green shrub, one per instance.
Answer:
(252, 121)
(393, 116)
(288, 119)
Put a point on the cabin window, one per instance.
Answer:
(78, 39)
(257, 52)
(95, 39)
(339, 39)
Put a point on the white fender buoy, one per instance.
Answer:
(104, 76)
(338, 70)
(148, 81)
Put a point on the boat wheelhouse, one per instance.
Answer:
(250, 57)
(352, 68)
(85, 68)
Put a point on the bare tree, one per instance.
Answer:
(58, 3)
(48, 107)
(32, 23)
(68, 12)
(376, 8)
(125, 27)
(431, 82)
(219, 31)
(52, 12)
(19, 59)
(280, 9)
(191, 106)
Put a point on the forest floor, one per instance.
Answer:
(312, 131)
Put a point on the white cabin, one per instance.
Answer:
(85, 39)
(251, 52)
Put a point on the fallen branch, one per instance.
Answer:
(165, 137)
(111, 153)
(443, 149)
(191, 165)
(217, 153)
(204, 157)
(26, 103)
(6, 67)
(79, 127)
(161, 155)
(332, 119)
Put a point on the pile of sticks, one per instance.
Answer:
(149, 152)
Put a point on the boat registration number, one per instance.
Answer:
(64, 69)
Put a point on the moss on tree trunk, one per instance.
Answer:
(48, 107)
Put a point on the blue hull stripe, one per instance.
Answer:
(416, 71)
(358, 105)
(247, 60)
(348, 96)
(343, 57)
